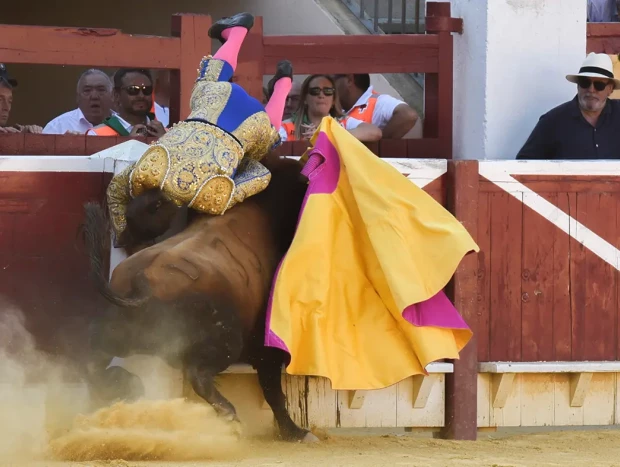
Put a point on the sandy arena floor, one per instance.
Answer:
(571, 448)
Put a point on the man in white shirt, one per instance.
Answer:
(357, 97)
(133, 97)
(94, 100)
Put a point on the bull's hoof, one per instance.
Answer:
(310, 438)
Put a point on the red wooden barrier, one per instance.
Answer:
(603, 38)
(429, 53)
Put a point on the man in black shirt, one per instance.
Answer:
(586, 127)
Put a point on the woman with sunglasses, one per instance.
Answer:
(210, 161)
(318, 99)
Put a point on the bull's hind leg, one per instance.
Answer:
(269, 369)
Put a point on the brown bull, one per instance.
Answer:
(196, 297)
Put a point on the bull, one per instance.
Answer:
(194, 291)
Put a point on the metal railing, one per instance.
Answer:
(389, 16)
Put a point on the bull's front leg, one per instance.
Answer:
(216, 346)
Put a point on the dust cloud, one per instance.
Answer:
(150, 430)
(46, 416)
(28, 379)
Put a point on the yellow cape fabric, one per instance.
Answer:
(360, 256)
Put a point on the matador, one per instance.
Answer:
(211, 160)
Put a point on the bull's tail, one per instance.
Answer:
(96, 230)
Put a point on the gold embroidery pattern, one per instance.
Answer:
(257, 135)
(209, 100)
(118, 197)
(150, 170)
(251, 178)
(197, 152)
(212, 67)
(214, 196)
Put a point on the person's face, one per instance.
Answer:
(292, 100)
(320, 98)
(6, 101)
(343, 86)
(135, 95)
(592, 93)
(94, 98)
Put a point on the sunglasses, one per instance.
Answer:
(316, 91)
(135, 90)
(586, 82)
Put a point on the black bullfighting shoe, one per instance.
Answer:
(245, 20)
(283, 70)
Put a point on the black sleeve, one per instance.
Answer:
(540, 143)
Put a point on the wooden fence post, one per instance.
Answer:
(461, 386)
(195, 44)
(438, 87)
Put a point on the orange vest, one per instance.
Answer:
(104, 130)
(364, 112)
(289, 127)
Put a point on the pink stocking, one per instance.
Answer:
(275, 106)
(229, 51)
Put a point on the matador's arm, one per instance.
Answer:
(118, 197)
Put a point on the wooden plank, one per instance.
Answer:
(437, 189)
(505, 303)
(461, 385)
(12, 144)
(424, 148)
(99, 143)
(86, 47)
(537, 287)
(192, 31)
(67, 145)
(562, 334)
(571, 183)
(484, 276)
(406, 53)
(445, 91)
(578, 276)
(549, 367)
(431, 107)
(251, 67)
(393, 148)
(603, 30)
(39, 144)
(600, 312)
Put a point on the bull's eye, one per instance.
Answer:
(158, 205)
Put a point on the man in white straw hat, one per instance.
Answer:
(586, 127)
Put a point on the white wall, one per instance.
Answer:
(510, 68)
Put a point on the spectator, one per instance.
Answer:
(7, 84)
(133, 99)
(586, 127)
(603, 11)
(94, 105)
(318, 99)
(394, 117)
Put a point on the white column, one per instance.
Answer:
(510, 65)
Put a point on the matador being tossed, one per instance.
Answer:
(211, 160)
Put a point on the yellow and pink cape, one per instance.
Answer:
(359, 298)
